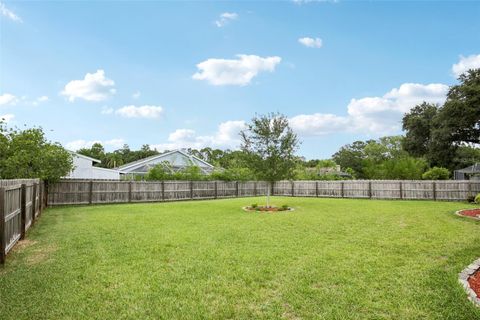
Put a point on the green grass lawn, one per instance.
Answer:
(329, 259)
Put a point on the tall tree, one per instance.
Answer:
(418, 125)
(444, 134)
(352, 156)
(270, 145)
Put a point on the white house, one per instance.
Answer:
(177, 160)
(84, 169)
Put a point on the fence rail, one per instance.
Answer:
(20, 206)
(68, 192)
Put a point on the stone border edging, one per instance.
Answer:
(458, 213)
(463, 279)
(469, 270)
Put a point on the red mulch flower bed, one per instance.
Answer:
(267, 209)
(474, 282)
(471, 213)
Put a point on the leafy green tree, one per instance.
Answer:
(161, 171)
(404, 168)
(270, 145)
(436, 173)
(439, 132)
(28, 154)
(352, 156)
(96, 151)
(418, 125)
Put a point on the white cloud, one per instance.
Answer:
(80, 143)
(227, 136)
(318, 123)
(7, 117)
(225, 18)
(465, 64)
(4, 11)
(311, 42)
(234, 71)
(136, 95)
(94, 87)
(151, 112)
(8, 99)
(39, 100)
(107, 110)
(372, 115)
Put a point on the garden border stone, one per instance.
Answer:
(471, 269)
(463, 279)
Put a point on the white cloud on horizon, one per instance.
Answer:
(146, 111)
(371, 115)
(226, 136)
(4, 11)
(465, 64)
(225, 18)
(239, 71)
(93, 87)
(8, 99)
(311, 42)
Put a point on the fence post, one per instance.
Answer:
(216, 190)
(293, 188)
(40, 197)
(272, 188)
(316, 189)
(34, 202)
(370, 189)
(236, 188)
(434, 189)
(191, 189)
(23, 210)
(469, 189)
(2, 225)
(130, 191)
(255, 188)
(401, 190)
(90, 192)
(342, 189)
(163, 190)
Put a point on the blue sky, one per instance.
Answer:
(189, 74)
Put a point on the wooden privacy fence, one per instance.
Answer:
(107, 191)
(20, 205)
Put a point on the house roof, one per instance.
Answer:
(471, 169)
(167, 156)
(84, 157)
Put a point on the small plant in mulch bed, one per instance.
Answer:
(256, 208)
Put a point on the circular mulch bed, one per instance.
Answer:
(472, 213)
(474, 282)
(265, 209)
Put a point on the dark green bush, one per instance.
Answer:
(477, 199)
